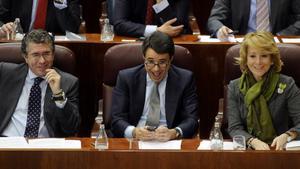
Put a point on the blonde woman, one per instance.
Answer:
(263, 105)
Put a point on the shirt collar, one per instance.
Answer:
(149, 80)
(31, 75)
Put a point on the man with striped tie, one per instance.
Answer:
(280, 17)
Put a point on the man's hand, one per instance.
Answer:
(280, 141)
(143, 134)
(169, 29)
(223, 33)
(162, 133)
(53, 78)
(259, 145)
(6, 28)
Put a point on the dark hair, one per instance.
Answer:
(37, 36)
(160, 43)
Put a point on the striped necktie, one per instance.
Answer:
(154, 113)
(262, 15)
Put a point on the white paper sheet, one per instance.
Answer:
(207, 38)
(205, 145)
(169, 145)
(290, 40)
(61, 38)
(13, 142)
(54, 143)
(293, 145)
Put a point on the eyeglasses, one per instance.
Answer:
(45, 55)
(161, 64)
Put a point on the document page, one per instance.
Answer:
(54, 143)
(13, 142)
(290, 40)
(169, 145)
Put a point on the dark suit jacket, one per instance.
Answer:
(284, 108)
(59, 122)
(284, 16)
(57, 21)
(129, 96)
(129, 16)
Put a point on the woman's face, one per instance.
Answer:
(258, 62)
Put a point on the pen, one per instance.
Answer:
(233, 32)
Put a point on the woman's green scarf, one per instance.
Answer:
(256, 96)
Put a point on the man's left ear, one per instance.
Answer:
(25, 57)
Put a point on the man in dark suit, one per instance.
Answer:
(61, 15)
(177, 114)
(55, 113)
(236, 15)
(130, 17)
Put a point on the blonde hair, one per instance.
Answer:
(264, 42)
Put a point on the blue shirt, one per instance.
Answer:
(252, 16)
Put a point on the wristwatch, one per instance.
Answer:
(289, 138)
(59, 97)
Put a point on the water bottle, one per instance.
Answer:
(219, 119)
(18, 31)
(101, 142)
(216, 142)
(107, 33)
(103, 14)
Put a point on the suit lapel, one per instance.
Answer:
(139, 88)
(273, 11)
(14, 90)
(245, 6)
(172, 96)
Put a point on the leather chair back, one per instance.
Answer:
(124, 56)
(64, 57)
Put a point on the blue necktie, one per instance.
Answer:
(34, 109)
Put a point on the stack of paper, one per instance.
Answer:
(293, 145)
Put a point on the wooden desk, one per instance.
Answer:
(120, 157)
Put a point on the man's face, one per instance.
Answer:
(157, 65)
(39, 58)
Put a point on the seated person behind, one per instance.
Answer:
(131, 17)
(57, 17)
(247, 16)
(40, 100)
(262, 103)
(156, 100)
